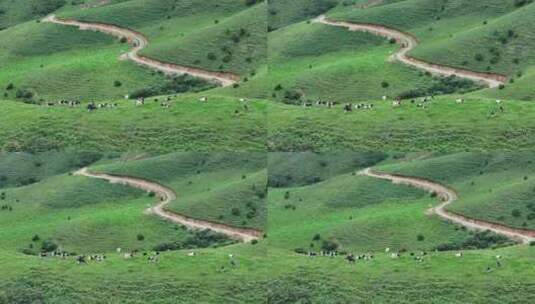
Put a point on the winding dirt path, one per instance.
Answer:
(408, 42)
(139, 42)
(167, 195)
(448, 196)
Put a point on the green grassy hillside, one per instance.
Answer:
(312, 61)
(443, 126)
(215, 35)
(496, 187)
(14, 12)
(187, 125)
(86, 216)
(19, 169)
(490, 36)
(53, 62)
(356, 213)
(282, 13)
(288, 169)
(223, 187)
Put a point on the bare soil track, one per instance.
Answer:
(448, 196)
(408, 42)
(167, 195)
(139, 42)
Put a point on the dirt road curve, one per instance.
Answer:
(167, 195)
(409, 42)
(139, 42)
(447, 196)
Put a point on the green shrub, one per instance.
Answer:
(49, 246)
(329, 245)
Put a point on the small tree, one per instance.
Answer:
(211, 56)
(235, 211)
(49, 246)
(329, 245)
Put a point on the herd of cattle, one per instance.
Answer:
(416, 256)
(164, 103)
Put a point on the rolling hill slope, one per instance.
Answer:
(490, 36)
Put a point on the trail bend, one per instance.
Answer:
(408, 42)
(139, 42)
(448, 196)
(167, 195)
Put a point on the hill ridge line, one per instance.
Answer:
(448, 196)
(166, 195)
(139, 42)
(408, 42)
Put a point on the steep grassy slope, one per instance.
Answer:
(53, 62)
(19, 169)
(220, 187)
(187, 125)
(79, 215)
(84, 216)
(14, 12)
(443, 126)
(312, 61)
(353, 212)
(484, 36)
(215, 35)
(495, 187)
(282, 13)
(287, 169)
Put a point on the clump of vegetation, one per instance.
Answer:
(478, 240)
(329, 245)
(198, 239)
(441, 86)
(49, 246)
(173, 85)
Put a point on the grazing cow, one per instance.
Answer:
(91, 107)
(203, 99)
(394, 255)
(459, 254)
(384, 98)
(350, 258)
(396, 103)
(498, 101)
(348, 108)
(459, 100)
(80, 259)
